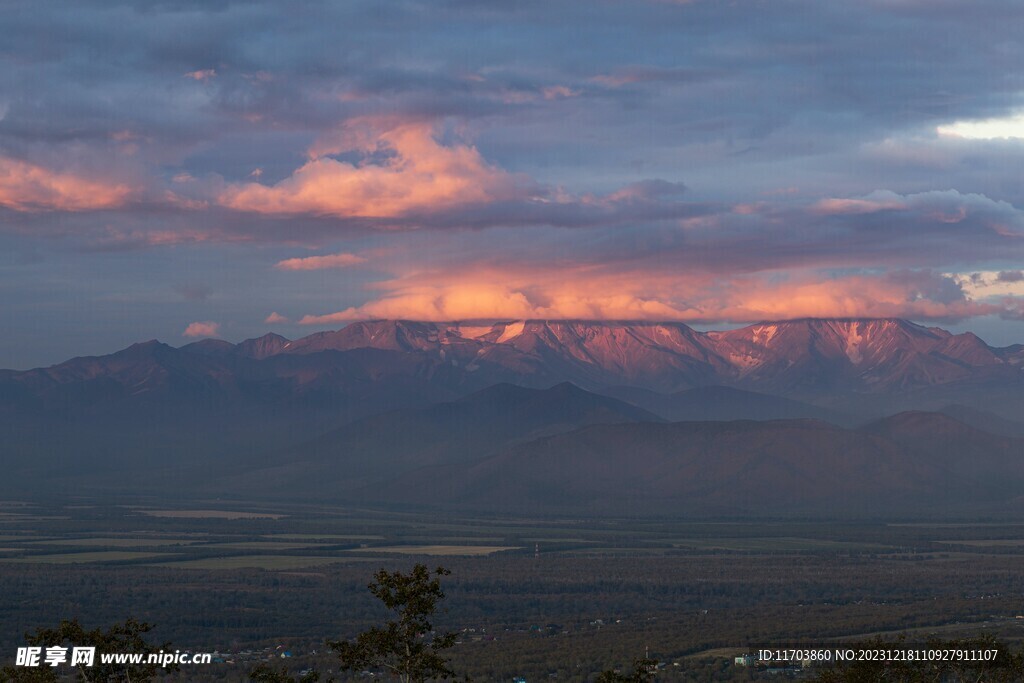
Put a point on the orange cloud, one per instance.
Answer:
(320, 262)
(202, 74)
(28, 187)
(404, 170)
(275, 318)
(201, 329)
(489, 293)
(582, 293)
(859, 296)
(834, 206)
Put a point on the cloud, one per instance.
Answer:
(402, 169)
(201, 329)
(490, 147)
(558, 92)
(648, 190)
(28, 187)
(202, 74)
(342, 260)
(1006, 128)
(992, 286)
(639, 294)
(630, 75)
(403, 176)
(275, 318)
(112, 239)
(764, 261)
(838, 206)
(1010, 276)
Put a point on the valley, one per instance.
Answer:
(529, 596)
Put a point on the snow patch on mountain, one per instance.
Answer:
(512, 330)
(472, 331)
(764, 333)
(853, 341)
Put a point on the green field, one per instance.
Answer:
(255, 562)
(84, 558)
(989, 543)
(266, 545)
(774, 544)
(439, 550)
(116, 542)
(211, 514)
(327, 537)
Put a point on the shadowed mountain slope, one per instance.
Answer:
(470, 429)
(780, 467)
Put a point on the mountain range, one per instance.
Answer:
(602, 416)
(812, 359)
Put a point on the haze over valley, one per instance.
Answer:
(830, 417)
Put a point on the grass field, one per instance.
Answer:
(989, 543)
(769, 544)
(208, 535)
(267, 545)
(115, 542)
(211, 514)
(255, 562)
(439, 550)
(326, 537)
(84, 558)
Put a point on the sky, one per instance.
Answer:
(179, 170)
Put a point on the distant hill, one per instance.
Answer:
(352, 409)
(723, 403)
(377, 448)
(804, 360)
(984, 420)
(739, 468)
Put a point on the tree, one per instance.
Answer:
(124, 637)
(407, 646)
(643, 672)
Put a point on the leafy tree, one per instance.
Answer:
(643, 672)
(407, 646)
(124, 637)
(17, 674)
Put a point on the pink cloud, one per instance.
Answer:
(121, 239)
(320, 262)
(28, 187)
(404, 170)
(175, 199)
(835, 206)
(594, 292)
(201, 329)
(558, 92)
(275, 318)
(202, 74)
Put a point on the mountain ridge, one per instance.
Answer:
(809, 359)
(558, 416)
